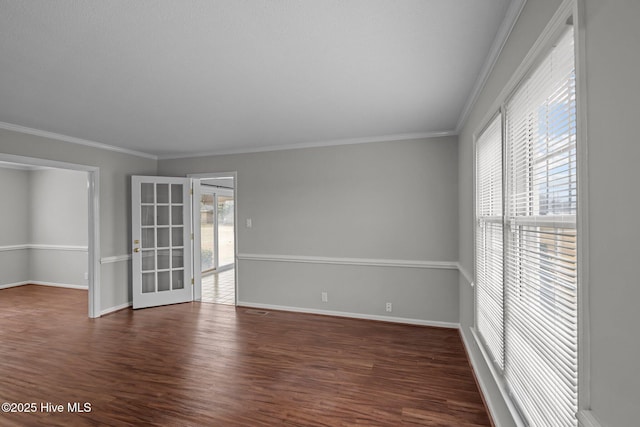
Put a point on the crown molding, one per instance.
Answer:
(74, 140)
(183, 155)
(329, 143)
(509, 21)
(20, 166)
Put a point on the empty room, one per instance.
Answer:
(319, 213)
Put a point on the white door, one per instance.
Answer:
(161, 231)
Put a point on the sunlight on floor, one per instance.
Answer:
(219, 288)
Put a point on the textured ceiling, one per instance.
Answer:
(176, 77)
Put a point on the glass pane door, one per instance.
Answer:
(225, 217)
(161, 241)
(207, 231)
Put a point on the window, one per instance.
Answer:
(489, 238)
(526, 255)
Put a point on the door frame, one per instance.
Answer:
(93, 211)
(197, 268)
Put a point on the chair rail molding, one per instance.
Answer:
(446, 265)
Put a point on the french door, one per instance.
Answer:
(162, 246)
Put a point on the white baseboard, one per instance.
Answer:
(481, 381)
(421, 322)
(475, 364)
(116, 308)
(58, 285)
(36, 282)
(13, 285)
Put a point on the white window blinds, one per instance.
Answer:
(526, 259)
(541, 293)
(489, 291)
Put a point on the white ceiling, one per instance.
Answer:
(171, 78)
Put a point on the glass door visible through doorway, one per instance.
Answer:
(216, 232)
(225, 215)
(217, 244)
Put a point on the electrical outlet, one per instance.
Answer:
(389, 307)
(86, 276)
(325, 297)
(249, 223)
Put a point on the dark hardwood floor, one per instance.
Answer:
(199, 364)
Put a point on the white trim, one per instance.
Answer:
(8, 248)
(330, 143)
(116, 308)
(73, 140)
(446, 265)
(496, 378)
(405, 320)
(94, 269)
(58, 285)
(480, 379)
(506, 26)
(196, 242)
(13, 285)
(114, 259)
(466, 275)
(584, 345)
(44, 247)
(15, 166)
(41, 283)
(59, 248)
(36, 161)
(587, 419)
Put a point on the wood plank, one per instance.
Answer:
(198, 364)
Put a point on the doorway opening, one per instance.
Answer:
(216, 227)
(52, 249)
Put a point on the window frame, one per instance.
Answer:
(570, 11)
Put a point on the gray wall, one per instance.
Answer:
(58, 209)
(45, 211)
(115, 200)
(613, 102)
(613, 64)
(14, 225)
(391, 200)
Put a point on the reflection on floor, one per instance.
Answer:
(219, 288)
